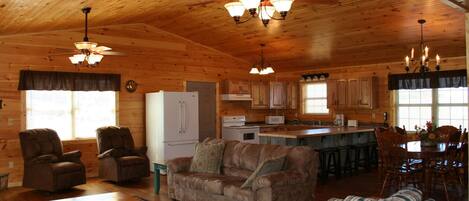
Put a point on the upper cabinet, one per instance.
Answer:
(368, 96)
(278, 95)
(292, 95)
(260, 95)
(236, 87)
(359, 93)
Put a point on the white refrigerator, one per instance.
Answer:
(172, 125)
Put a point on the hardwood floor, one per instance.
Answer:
(366, 184)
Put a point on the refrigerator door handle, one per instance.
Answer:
(184, 117)
(180, 143)
(180, 117)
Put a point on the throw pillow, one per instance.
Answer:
(267, 166)
(207, 158)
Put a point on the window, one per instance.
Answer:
(315, 98)
(444, 106)
(73, 114)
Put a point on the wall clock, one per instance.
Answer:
(131, 86)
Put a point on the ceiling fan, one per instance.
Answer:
(89, 53)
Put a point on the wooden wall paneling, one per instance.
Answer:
(337, 33)
(153, 68)
(384, 96)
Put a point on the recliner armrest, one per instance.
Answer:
(179, 164)
(115, 153)
(46, 158)
(141, 151)
(72, 156)
(281, 178)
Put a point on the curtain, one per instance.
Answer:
(429, 80)
(68, 81)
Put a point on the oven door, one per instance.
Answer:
(249, 135)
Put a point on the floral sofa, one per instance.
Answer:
(296, 182)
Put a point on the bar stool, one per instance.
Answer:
(345, 146)
(374, 157)
(361, 147)
(329, 159)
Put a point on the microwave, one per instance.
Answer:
(275, 119)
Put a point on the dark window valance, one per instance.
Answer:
(68, 81)
(429, 80)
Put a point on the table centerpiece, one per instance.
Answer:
(428, 138)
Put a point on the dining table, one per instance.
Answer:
(427, 154)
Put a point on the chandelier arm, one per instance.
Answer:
(243, 21)
(272, 17)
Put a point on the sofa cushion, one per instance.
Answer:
(211, 183)
(236, 172)
(131, 160)
(65, 167)
(233, 191)
(408, 194)
(207, 158)
(267, 166)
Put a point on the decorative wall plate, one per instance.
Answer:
(131, 86)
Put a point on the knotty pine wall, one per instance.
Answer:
(384, 97)
(155, 59)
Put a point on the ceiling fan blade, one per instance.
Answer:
(71, 53)
(101, 49)
(112, 53)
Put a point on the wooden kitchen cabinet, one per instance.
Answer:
(260, 95)
(354, 93)
(342, 94)
(331, 93)
(292, 95)
(368, 94)
(278, 95)
(236, 87)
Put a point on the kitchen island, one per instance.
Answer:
(319, 137)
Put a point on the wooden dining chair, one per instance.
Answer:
(396, 162)
(400, 130)
(448, 133)
(447, 169)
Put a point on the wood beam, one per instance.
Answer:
(457, 4)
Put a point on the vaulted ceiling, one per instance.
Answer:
(317, 33)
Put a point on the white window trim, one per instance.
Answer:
(434, 106)
(304, 99)
(25, 112)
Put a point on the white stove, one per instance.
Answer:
(235, 128)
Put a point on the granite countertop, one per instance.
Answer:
(316, 132)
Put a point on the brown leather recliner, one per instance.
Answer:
(46, 167)
(118, 159)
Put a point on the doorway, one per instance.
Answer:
(207, 107)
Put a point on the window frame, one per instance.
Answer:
(434, 107)
(74, 138)
(304, 99)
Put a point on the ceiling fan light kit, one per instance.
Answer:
(89, 53)
(264, 9)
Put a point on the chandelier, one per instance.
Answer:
(261, 68)
(421, 64)
(264, 9)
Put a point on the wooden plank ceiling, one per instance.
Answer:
(317, 33)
